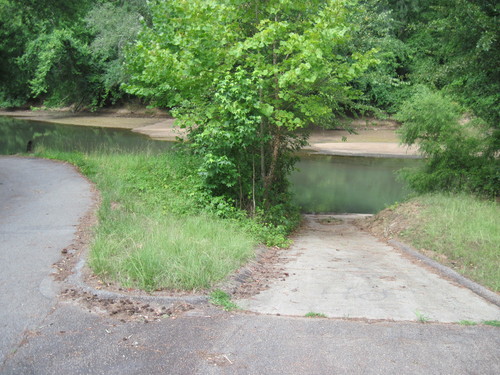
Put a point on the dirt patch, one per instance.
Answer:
(330, 221)
(165, 130)
(114, 118)
(361, 136)
(257, 275)
(391, 222)
(125, 309)
(364, 123)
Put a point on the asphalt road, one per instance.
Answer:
(41, 333)
(41, 203)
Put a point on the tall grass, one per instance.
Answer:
(152, 234)
(463, 228)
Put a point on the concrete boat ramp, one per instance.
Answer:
(336, 270)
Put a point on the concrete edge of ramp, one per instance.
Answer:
(448, 272)
(77, 279)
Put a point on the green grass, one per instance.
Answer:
(462, 231)
(421, 317)
(315, 315)
(467, 323)
(222, 299)
(494, 323)
(152, 232)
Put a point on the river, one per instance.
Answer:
(320, 183)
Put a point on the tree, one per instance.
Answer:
(456, 49)
(459, 154)
(61, 67)
(64, 52)
(13, 36)
(246, 77)
(383, 85)
(115, 25)
(44, 51)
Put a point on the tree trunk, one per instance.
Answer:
(271, 175)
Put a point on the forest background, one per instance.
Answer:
(248, 79)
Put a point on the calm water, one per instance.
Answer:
(321, 183)
(325, 183)
(15, 135)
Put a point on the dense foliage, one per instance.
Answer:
(460, 153)
(244, 77)
(65, 52)
(456, 119)
(247, 76)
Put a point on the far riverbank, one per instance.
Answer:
(375, 138)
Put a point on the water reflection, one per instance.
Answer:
(15, 135)
(321, 183)
(348, 184)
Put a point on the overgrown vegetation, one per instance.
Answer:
(456, 55)
(153, 233)
(65, 52)
(248, 77)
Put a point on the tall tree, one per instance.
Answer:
(245, 77)
(457, 49)
(115, 26)
(14, 34)
(63, 52)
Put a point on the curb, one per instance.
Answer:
(76, 279)
(446, 271)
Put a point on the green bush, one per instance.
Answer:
(460, 154)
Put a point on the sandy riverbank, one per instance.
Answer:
(373, 138)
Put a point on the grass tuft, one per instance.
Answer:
(467, 323)
(315, 315)
(222, 299)
(494, 323)
(421, 317)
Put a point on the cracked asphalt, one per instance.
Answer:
(41, 203)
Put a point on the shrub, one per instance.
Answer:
(460, 154)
